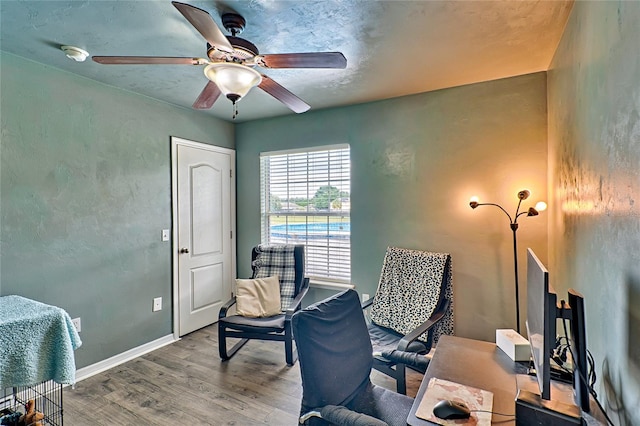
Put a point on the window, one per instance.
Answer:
(305, 199)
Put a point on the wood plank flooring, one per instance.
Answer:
(186, 383)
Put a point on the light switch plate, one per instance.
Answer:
(165, 235)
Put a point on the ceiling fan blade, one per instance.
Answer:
(144, 60)
(294, 103)
(305, 60)
(203, 22)
(207, 97)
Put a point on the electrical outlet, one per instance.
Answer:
(77, 324)
(165, 235)
(365, 297)
(157, 304)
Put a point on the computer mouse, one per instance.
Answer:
(448, 409)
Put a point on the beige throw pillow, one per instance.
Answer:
(257, 298)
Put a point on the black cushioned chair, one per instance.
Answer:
(286, 261)
(412, 307)
(335, 364)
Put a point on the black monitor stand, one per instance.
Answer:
(530, 407)
(533, 410)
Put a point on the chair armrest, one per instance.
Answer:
(367, 303)
(339, 415)
(418, 361)
(226, 307)
(437, 315)
(297, 301)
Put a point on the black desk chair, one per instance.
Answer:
(412, 308)
(287, 262)
(335, 364)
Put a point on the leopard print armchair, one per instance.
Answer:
(412, 307)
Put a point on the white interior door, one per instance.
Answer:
(204, 249)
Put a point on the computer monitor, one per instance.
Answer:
(541, 321)
(542, 313)
(579, 350)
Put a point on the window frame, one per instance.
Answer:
(337, 258)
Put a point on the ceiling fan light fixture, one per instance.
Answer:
(233, 80)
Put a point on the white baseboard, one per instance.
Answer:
(99, 367)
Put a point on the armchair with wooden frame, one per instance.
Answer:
(412, 307)
(287, 262)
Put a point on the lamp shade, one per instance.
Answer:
(233, 80)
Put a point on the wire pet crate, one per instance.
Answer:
(46, 395)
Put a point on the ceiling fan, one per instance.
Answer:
(231, 61)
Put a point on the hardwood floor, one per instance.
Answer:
(185, 383)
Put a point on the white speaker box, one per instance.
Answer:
(513, 344)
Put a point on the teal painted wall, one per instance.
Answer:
(594, 183)
(85, 192)
(416, 160)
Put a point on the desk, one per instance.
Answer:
(485, 366)
(473, 363)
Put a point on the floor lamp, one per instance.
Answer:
(513, 224)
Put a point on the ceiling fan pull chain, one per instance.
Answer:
(235, 110)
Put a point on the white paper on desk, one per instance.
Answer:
(474, 398)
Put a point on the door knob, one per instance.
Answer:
(184, 250)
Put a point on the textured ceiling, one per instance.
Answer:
(393, 48)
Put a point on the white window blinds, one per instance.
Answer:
(306, 199)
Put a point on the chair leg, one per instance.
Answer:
(290, 354)
(397, 372)
(401, 381)
(222, 344)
